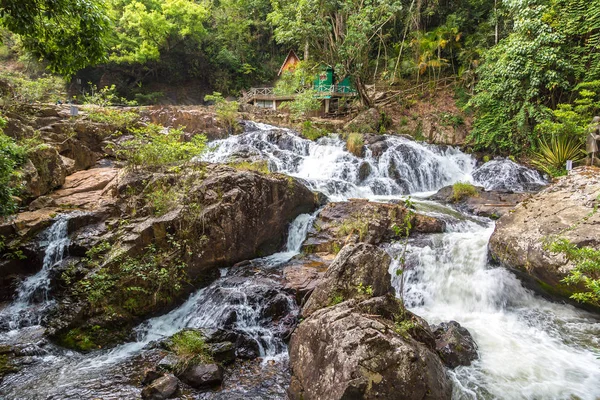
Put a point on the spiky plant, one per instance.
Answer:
(553, 154)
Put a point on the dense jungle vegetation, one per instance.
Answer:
(528, 70)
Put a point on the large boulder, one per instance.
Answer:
(486, 203)
(566, 208)
(357, 220)
(211, 216)
(365, 350)
(162, 388)
(359, 270)
(454, 344)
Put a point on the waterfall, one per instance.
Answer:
(392, 165)
(32, 298)
(529, 348)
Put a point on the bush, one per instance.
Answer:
(463, 190)
(154, 147)
(586, 272)
(107, 96)
(355, 144)
(310, 132)
(115, 117)
(304, 103)
(258, 166)
(11, 157)
(47, 89)
(552, 155)
(227, 111)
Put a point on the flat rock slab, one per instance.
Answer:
(566, 208)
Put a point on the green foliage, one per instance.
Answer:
(355, 225)
(119, 118)
(154, 147)
(106, 96)
(191, 348)
(463, 190)
(336, 299)
(161, 199)
(552, 155)
(364, 290)
(355, 144)
(296, 81)
(586, 272)
(529, 66)
(12, 156)
(258, 166)
(404, 327)
(340, 33)
(310, 132)
(25, 90)
(146, 28)
(304, 103)
(68, 34)
(134, 283)
(227, 111)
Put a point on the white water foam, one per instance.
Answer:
(529, 348)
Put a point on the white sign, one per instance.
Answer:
(569, 165)
(74, 111)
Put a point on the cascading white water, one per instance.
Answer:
(392, 166)
(32, 295)
(529, 348)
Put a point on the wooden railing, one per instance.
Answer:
(321, 89)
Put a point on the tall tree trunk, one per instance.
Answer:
(362, 92)
(306, 50)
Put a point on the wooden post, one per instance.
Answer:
(275, 105)
(326, 106)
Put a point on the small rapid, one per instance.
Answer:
(32, 300)
(529, 348)
(242, 300)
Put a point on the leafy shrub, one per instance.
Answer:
(48, 88)
(134, 283)
(304, 103)
(355, 144)
(463, 190)
(11, 157)
(161, 199)
(115, 117)
(310, 132)
(354, 225)
(227, 111)
(552, 156)
(154, 146)
(190, 347)
(106, 96)
(258, 166)
(586, 271)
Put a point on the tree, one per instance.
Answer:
(68, 34)
(520, 79)
(341, 33)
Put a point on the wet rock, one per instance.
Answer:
(223, 352)
(454, 344)
(168, 363)
(359, 270)
(364, 350)
(302, 278)
(246, 347)
(162, 388)
(502, 174)
(203, 375)
(491, 204)
(364, 170)
(564, 208)
(363, 221)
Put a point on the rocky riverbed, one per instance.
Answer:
(315, 281)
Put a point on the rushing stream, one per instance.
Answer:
(529, 348)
